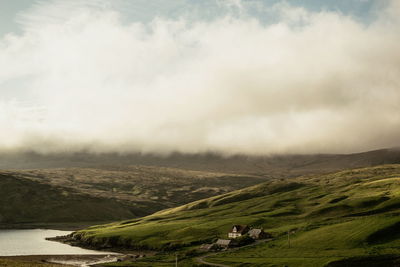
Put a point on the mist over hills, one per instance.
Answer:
(272, 166)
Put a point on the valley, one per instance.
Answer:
(73, 197)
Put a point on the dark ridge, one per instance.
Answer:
(370, 261)
(390, 207)
(334, 210)
(277, 166)
(338, 199)
(385, 235)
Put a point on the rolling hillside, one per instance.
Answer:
(352, 213)
(95, 195)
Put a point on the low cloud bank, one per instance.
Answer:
(314, 82)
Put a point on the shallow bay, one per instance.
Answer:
(33, 242)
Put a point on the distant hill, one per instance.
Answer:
(348, 214)
(25, 202)
(269, 166)
(76, 195)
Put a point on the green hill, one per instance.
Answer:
(24, 202)
(81, 195)
(353, 213)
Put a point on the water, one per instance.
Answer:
(33, 242)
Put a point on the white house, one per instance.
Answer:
(238, 230)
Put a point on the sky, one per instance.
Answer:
(229, 76)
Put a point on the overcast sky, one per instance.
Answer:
(250, 76)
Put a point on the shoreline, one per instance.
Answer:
(69, 240)
(65, 260)
(72, 226)
(76, 259)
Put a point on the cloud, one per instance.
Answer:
(314, 82)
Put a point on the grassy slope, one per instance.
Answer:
(25, 201)
(335, 216)
(83, 194)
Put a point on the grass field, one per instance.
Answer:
(353, 213)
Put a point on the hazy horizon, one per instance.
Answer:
(226, 76)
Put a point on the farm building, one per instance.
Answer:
(208, 247)
(225, 243)
(238, 230)
(258, 234)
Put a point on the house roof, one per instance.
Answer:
(255, 231)
(206, 246)
(223, 242)
(240, 228)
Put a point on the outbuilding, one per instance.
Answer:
(258, 234)
(225, 243)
